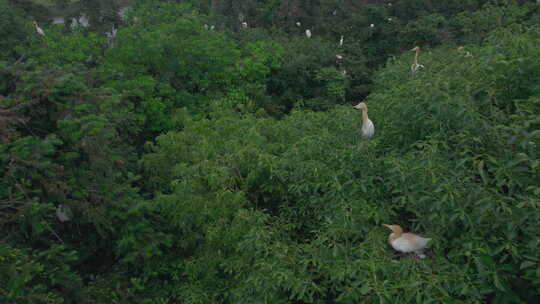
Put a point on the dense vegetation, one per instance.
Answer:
(225, 165)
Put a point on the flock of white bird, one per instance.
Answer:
(400, 241)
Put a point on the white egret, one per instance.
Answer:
(372, 25)
(308, 33)
(341, 41)
(298, 23)
(64, 213)
(38, 29)
(368, 129)
(415, 66)
(407, 242)
(244, 25)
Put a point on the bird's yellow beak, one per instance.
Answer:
(387, 226)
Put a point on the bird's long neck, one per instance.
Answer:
(394, 235)
(364, 116)
(416, 56)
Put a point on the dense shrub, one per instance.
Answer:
(65, 150)
(226, 165)
(440, 164)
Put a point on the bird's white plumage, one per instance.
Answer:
(368, 129)
(415, 67)
(63, 213)
(416, 244)
(38, 29)
(112, 33)
(308, 33)
(407, 242)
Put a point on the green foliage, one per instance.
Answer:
(429, 29)
(26, 277)
(309, 63)
(226, 165)
(67, 151)
(474, 26)
(315, 196)
(168, 60)
(64, 49)
(13, 30)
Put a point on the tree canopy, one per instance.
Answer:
(192, 159)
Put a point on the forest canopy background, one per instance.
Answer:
(200, 160)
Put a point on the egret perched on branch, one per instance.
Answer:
(38, 29)
(368, 129)
(372, 25)
(298, 23)
(341, 41)
(415, 66)
(244, 25)
(308, 33)
(407, 242)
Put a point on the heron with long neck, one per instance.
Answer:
(38, 29)
(415, 66)
(368, 129)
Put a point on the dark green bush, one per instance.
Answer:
(226, 165)
(440, 164)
